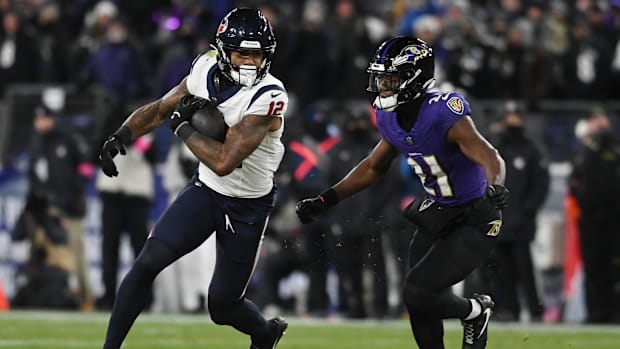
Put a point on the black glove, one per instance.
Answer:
(112, 146)
(499, 195)
(307, 209)
(182, 114)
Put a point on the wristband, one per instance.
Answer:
(184, 130)
(329, 197)
(124, 134)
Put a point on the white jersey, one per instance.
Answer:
(254, 178)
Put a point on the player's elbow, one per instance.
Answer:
(496, 166)
(491, 157)
(498, 159)
(223, 169)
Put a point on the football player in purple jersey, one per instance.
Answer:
(459, 220)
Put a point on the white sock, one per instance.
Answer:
(476, 309)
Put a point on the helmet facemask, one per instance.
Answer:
(247, 74)
(381, 82)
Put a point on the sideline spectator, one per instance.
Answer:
(595, 183)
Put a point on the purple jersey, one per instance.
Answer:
(447, 174)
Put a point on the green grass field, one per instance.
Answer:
(53, 330)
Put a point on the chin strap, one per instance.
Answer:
(406, 94)
(246, 75)
(386, 103)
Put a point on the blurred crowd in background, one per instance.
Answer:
(491, 48)
(128, 52)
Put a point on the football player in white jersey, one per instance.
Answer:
(233, 192)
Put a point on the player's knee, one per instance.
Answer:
(219, 311)
(416, 297)
(218, 315)
(144, 268)
(155, 256)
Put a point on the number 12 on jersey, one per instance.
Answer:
(432, 175)
(275, 107)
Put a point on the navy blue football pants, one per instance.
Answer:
(239, 225)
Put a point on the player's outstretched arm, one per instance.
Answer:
(367, 172)
(241, 140)
(143, 120)
(150, 116)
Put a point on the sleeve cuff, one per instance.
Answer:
(329, 197)
(124, 134)
(184, 131)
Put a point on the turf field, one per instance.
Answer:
(53, 330)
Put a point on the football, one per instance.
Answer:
(209, 121)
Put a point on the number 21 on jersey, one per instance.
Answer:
(432, 175)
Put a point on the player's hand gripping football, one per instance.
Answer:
(112, 146)
(307, 209)
(499, 195)
(184, 110)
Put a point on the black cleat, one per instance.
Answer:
(475, 330)
(278, 328)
